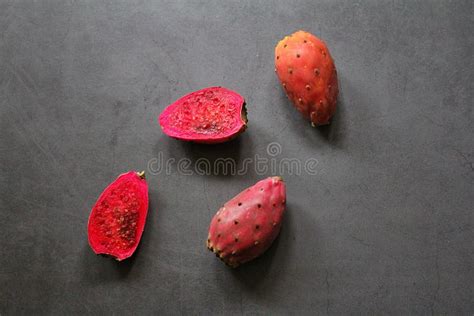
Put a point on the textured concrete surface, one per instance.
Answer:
(385, 226)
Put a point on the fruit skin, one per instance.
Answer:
(209, 116)
(117, 219)
(247, 225)
(308, 74)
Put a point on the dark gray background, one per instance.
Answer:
(386, 226)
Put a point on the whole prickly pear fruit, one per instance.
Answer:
(308, 74)
(247, 225)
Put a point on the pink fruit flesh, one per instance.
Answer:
(118, 218)
(248, 224)
(211, 115)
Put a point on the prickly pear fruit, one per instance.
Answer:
(118, 217)
(247, 225)
(210, 116)
(308, 74)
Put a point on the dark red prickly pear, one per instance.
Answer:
(247, 225)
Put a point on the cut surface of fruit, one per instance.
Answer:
(211, 115)
(118, 218)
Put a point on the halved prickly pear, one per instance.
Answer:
(248, 224)
(118, 217)
(210, 116)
